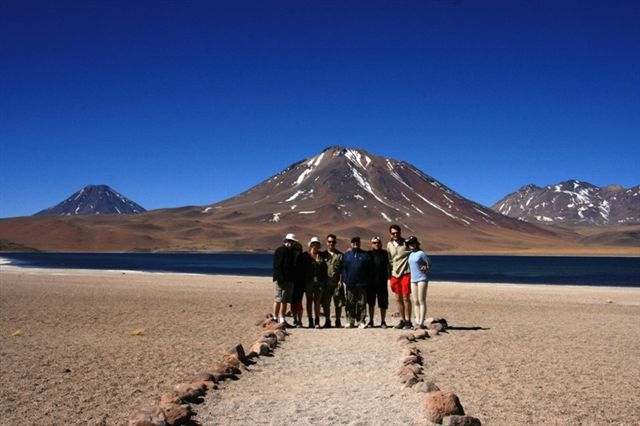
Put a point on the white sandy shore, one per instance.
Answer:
(518, 354)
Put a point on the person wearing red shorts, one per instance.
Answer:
(400, 275)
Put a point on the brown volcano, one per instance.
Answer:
(340, 190)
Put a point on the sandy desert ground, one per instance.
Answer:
(516, 354)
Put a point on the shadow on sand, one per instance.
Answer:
(464, 328)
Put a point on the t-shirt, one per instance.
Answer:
(416, 260)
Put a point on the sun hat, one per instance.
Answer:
(411, 240)
(376, 240)
(314, 240)
(291, 237)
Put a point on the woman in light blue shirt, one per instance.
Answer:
(419, 265)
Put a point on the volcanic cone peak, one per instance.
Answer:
(93, 200)
(353, 188)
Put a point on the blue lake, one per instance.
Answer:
(602, 271)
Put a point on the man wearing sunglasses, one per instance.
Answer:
(400, 275)
(378, 288)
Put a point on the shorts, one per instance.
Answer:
(283, 292)
(401, 285)
(380, 293)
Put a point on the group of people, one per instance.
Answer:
(354, 280)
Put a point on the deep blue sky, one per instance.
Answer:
(191, 102)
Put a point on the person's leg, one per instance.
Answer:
(277, 301)
(308, 294)
(327, 294)
(371, 302)
(406, 291)
(349, 308)
(317, 296)
(400, 306)
(276, 310)
(362, 306)
(415, 303)
(283, 312)
(383, 304)
(422, 296)
(372, 309)
(407, 309)
(338, 303)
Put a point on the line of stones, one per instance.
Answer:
(439, 407)
(174, 407)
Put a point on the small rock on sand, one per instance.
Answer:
(460, 421)
(440, 404)
(148, 417)
(176, 414)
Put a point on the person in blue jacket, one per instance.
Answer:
(357, 270)
(418, 265)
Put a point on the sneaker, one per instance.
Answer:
(350, 325)
(362, 324)
(407, 325)
(383, 325)
(370, 324)
(400, 325)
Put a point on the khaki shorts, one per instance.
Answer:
(283, 292)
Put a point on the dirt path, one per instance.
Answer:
(334, 376)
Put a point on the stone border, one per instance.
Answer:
(174, 407)
(440, 407)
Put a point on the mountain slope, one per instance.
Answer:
(573, 203)
(93, 200)
(340, 190)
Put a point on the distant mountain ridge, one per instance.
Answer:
(573, 203)
(345, 191)
(94, 200)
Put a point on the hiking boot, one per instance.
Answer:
(310, 322)
(407, 325)
(400, 325)
(383, 325)
(327, 324)
(317, 323)
(370, 324)
(338, 324)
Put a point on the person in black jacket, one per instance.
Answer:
(283, 277)
(298, 285)
(378, 286)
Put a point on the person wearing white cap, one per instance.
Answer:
(315, 273)
(283, 277)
